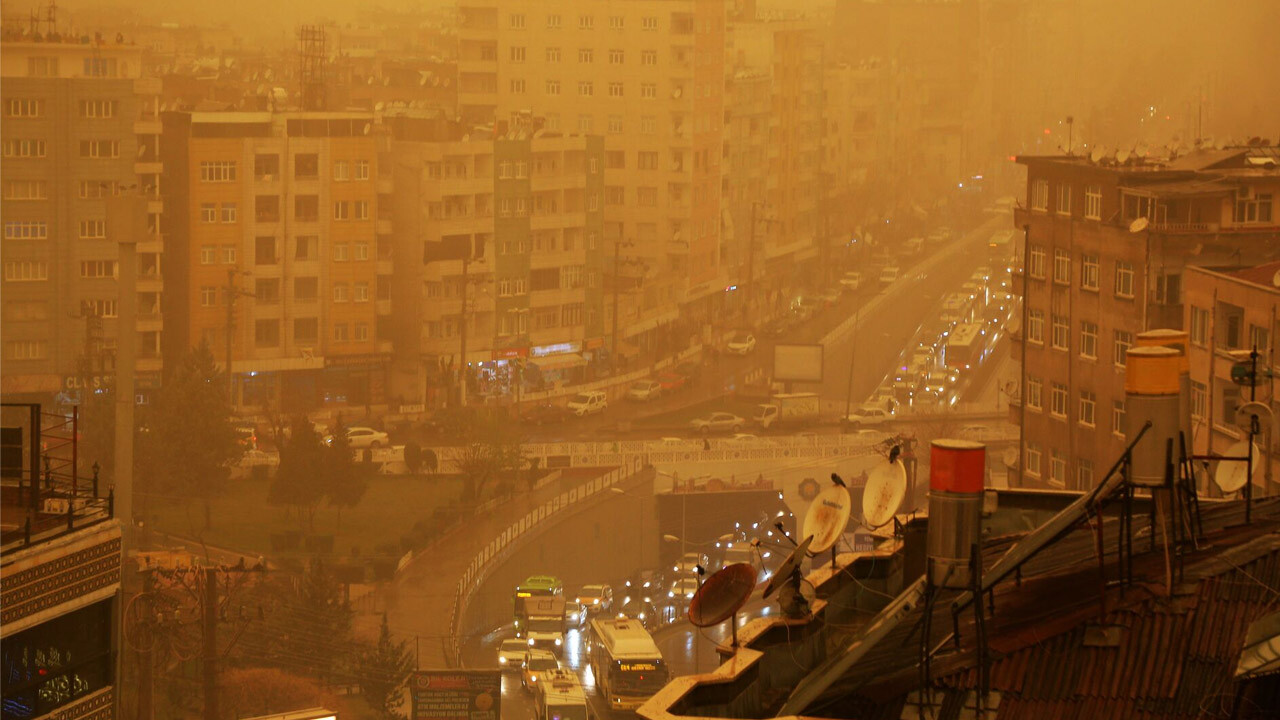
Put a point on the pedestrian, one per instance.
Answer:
(706, 444)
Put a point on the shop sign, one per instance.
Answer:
(411, 409)
(355, 361)
(554, 349)
(594, 343)
(510, 353)
(95, 382)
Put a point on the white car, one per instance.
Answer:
(511, 654)
(718, 421)
(588, 403)
(888, 276)
(867, 415)
(741, 344)
(852, 280)
(255, 459)
(362, 437)
(689, 562)
(683, 590)
(644, 390)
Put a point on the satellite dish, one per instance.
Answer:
(1138, 225)
(1096, 155)
(787, 567)
(722, 595)
(885, 491)
(827, 517)
(1275, 279)
(1122, 156)
(1232, 475)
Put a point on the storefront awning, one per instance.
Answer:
(651, 323)
(558, 362)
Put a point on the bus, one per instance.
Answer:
(625, 662)
(966, 346)
(534, 586)
(559, 696)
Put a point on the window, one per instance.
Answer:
(362, 169)
(93, 189)
(615, 89)
(1089, 272)
(341, 170)
(1040, 195)
(1057, 467)
(25, 350)
(585, 123)
(1117, 417)
(517, 21)
(306, 289)
(1259, 339)
(1035, 393)
(648, 91)
(1035, 263)
(1061, 333)
(306, 330)
(648, 57)
(517, 54)
(306, 166)
(585, 88)
(89, 229)
(1089, 340)
(1120, 347)
(615, 124)
(23, 148)
(571, 315)
(101, 67)
(1035, 326)
(340, 332)
(616, 22)
(208, 254)
(1199, 326)
(647, 196)
(100, 308)
(360, 292)
(649, 23)
(362, 209)
(1199, 400)
(229, 255)
(208, 213)
(266, 291)
(586, 22)
(228, 212)
(97, 109)
(1093, 202)
(553, 54)
(340, 294)
(26, 271)
(517, 87)
(42, 66)
(616, 57)
(647, 160)
(99, 149)
(553, 22)
(264, 251)
(25, 107)
(1084, 473)
(266, 333)
(97, 269)
(648, 125)
(217, 171)
(362, 332)
(1124, 279)
(266, 166)
(341, 252)
(614, 195)
(1064, 199)
(586, 55)
(571, 276)
(1061, 267)
(208, 296)
(1088, 401)
(553, 87)
(362, 251)
(342, 210)
(306, 247)
(38, 230)
(1033, 459)
(1058, 400)
(1255, 209)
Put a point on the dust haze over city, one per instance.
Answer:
(592, 359)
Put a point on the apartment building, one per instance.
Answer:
(500, 260)
(80, 123)
(1110, 240)
(648, 76)
(281, 253)
(1229, 312)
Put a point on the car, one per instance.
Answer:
(852, 280)
(672, 381)
(596, 599)
(643, 585)
(718, 422)
(536, 662)
(741, 344)
(689, 562)
(362, 437)
(511, 654)
(547, 414)
(776, 327)
(745, 438)
(688, 369)
(889, 275)
(637, 608)
(866, 415)
(830, 296)
(644, 390)
(588, 403)
(247, 436)
(939, 235)
(683, 590)
(251, 460)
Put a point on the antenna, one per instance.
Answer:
(886, 489)
(826, 519)
(1233, 475)
(722, 596)
(311, 42)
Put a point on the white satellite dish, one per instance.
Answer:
(1122, 156)
(1275, 279)
(1138, 225)
(1232, 475)
(885, 491)
(1096, 155)
(827, 517)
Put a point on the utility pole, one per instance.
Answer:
(232, 293)
(209, 641)
(462, 330)
(853, 354)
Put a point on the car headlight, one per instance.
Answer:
(646, 584)
(675, 568)
(533, 678)
(626, 600)
(502, 660)
(559, 642)
(595, 601)
(647, 599)
(689, 596)
(641, 616)
(531, 642)
(671, 593)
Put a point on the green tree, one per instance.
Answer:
(493, 451)
(301, 478)
(345, 481)
(383, 669)
(190, 443)
(317, 622)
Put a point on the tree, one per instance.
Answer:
(383, 669)
(316, 623)
(493, 451)
(299, 481)
(247, 692)
(190, 442)
(344, 481)
(413, 457)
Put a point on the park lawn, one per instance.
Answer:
(242, 520)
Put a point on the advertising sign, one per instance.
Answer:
(456, 694)
(801, 363)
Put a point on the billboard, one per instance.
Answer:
(455, 695)
(797, 363)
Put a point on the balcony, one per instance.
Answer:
(146, 126)
(150, 281)
(382, 226)
(382, 307)
(1183, 227)
(154, 167)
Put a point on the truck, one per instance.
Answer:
(543, 621)
(787, 409)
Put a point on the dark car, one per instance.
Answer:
(644, 585)
(547, 414)
(645, 612)
(690, 370)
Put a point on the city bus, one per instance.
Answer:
(625, 662)
(966, 346)
(534, 586)
(559, 696)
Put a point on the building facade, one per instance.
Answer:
(80, 124)
(1107, 247)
